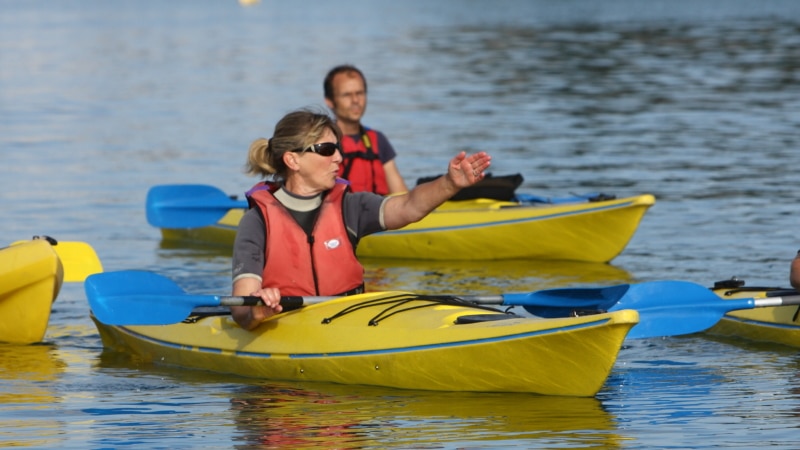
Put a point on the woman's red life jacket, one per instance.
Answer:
(323, 263)
(361, 164)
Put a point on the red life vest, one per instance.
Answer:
(361, 164)
(323, 263)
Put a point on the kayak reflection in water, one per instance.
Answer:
(794, 272)
(301, 231)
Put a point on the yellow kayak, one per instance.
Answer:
(32, 274)
(489, 229)
(393, 339)
(476, 229)
(778, 324)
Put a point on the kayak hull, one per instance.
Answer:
(776, 324)
(485, 229)
(422, 347)
(32, 275)
(594, 232)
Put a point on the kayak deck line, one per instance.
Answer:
(386, 351)
(393, 302)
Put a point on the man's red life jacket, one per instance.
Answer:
(361, 164)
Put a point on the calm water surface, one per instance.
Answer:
(693, 101)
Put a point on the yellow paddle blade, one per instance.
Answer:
(78, 259)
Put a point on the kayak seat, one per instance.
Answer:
(202, 312)
(737, 285)
(477, 318)
(493, 187)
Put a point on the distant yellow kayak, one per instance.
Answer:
(778, 324)
(394, 339)
(476, 229)
(32, 274)
(490, 229)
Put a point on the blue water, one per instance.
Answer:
(693, 101)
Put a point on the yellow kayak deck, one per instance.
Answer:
(395, 339)
(484, 229)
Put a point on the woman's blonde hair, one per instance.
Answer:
(295, 130)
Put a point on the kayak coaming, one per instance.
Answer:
(416, 349)
(484, 229)
(32, 277)
(776, 324)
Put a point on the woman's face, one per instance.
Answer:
(316, 173)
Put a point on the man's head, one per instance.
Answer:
(348, 69)
(346, 94)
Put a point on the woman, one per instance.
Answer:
(300, 234)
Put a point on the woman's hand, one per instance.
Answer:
(249, 317)
(466, 170)
(463, 171)
(272, 304)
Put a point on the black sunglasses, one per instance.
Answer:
(324, 149)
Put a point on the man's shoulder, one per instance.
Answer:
(382, 138)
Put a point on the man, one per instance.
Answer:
(794, 272)
(369, 158)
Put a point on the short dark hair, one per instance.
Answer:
(327, 85)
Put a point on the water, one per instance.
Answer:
(693, 101)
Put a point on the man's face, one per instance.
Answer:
(349, 97)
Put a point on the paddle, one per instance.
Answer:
(134, 297)
(666, 308)
(78, 258)
(187, 205)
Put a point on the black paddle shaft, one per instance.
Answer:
(288, 302)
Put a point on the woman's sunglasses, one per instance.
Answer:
(324, 149)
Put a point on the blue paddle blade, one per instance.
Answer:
(187, 205)
(666, 308)
(552, 303)
(136, 297)
(131, 282)
(673, 308)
